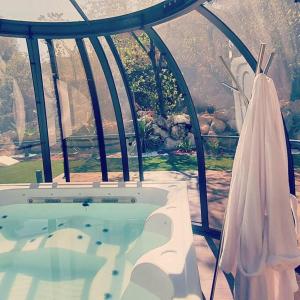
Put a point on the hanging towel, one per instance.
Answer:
(259, 243)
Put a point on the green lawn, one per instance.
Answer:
(25, 171)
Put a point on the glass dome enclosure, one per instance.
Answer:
(112, 90)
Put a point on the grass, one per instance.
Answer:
(25, 170)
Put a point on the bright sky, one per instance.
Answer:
(32, 9)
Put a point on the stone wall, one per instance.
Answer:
(171, 132)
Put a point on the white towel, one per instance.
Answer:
(259, 245)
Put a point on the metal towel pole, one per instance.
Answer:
(240, 90)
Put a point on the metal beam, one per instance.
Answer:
(95, 105)
(116, 103)
(55, 78)
(194, 120)
(37, 79)
(133, 21)
(79, 10)
(131, 103)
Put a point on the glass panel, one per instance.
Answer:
(51, 110)
(38, 10)
(219, 111)
(98, 9)
(277, 24)
(111, 133)
(77, 115)
(20, 151)
(127, 117)
(165, 126)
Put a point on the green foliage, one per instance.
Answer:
(212, 146)
(25, 170)
(158, 93)
(145, 133)
(185, 146)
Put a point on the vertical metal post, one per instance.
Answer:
(131, 103)
(36, 72)
(194, 120)
(95, 105)
(39, 176)
(55, 78)
(116, 103)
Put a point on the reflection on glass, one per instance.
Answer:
(97, 9)
(77, 117)
(220, 112)
(51, 111)
(38, 10)
(127, 117)
(20, 153)
(277, 24)
(111, 133)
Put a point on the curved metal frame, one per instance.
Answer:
(143, 19)
(131, 103)
(194, 120)
(138, 20)
(55, 77)
(95, 105)
(116, 103)
(37, 79)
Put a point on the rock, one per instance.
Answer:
(218, 126)
(191, 139)
(161, 122)
(232, 124)
(204, 129)
(147, 118)
(179, 132)
(179, 119)
(171, 144)
(205, 119)
(225, 114)
(154, 142)
(159, 131)
(211, 132)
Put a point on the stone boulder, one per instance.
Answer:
(204, 129)
(179, 119)
(211, 132)
(179, 132)
(154, 142)
(218, 126)
(205, 119)
(232, 125)
(161, 122)
(156, 130)
(171, 144)
(225, 115)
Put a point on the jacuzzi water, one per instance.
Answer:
(96, 242)
(62, 249)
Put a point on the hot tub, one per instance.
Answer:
(96, 241)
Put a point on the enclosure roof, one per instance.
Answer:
(64, 10)
(63, 18)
